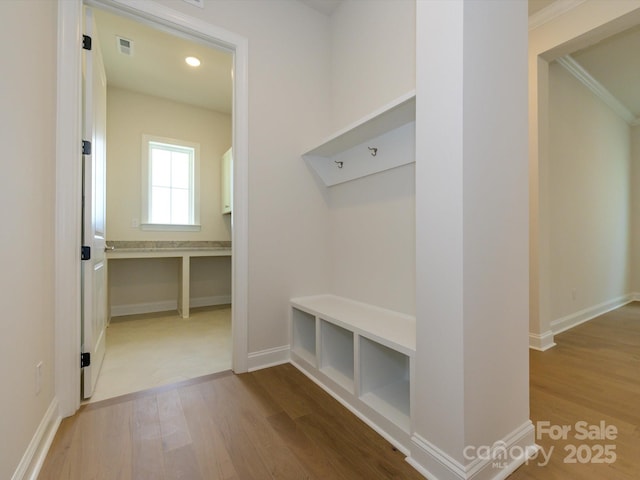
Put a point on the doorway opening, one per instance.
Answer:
(148, 289)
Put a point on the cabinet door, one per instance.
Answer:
(226, 180)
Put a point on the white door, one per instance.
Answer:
(94, 270)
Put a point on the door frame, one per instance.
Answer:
(68, 181)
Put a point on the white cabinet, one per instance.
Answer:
(226, 181)
(362, 355)
(380, 141)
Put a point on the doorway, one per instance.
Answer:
(570, 32)
(68, 184)
(163, 201)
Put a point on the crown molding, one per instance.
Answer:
(556, 9)
(598, 89)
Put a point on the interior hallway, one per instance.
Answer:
(146, 351)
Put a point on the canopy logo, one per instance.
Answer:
(500, 455)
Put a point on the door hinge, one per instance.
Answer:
(85, 359)
(86, 42)
(86, 147)
(85, 253)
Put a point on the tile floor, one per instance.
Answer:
(146, 351)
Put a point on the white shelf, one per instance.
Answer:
(337, 354)
(391, 130)
(392, 329)
(303, 337)
(365, 350)
(384, 381)
(386, 400)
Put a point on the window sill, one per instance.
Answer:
(159, 227)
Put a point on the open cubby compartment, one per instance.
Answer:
(385, 382)
(303, 335)
(336, 357)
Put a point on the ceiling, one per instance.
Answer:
(329, 6)
(615, 64)
(323, 6)
(157, 67)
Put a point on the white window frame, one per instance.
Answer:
(146, 224)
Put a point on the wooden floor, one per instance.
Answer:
(275, 423)
(592, 375)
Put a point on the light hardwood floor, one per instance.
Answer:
(275, 423)
(593, 376)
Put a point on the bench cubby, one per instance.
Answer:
(362, 355)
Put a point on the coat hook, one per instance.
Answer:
(373, 150)
(338, 163)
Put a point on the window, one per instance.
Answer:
(170, 184)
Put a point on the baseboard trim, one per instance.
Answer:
(33, 458)
(438, 465)
(400, 446)
(565, 323)
(541, 342)
(210, 301)
(268, 358)
(167, 306)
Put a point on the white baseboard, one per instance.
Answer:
(167, 306)
(210, 301)
(33, 458)
(541, 342)
(268, 358)
(565, 323)
(435, 464)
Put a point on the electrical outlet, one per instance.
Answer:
(135, 223)
(573, 294)
(38, 377)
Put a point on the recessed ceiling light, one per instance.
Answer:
(192, 61)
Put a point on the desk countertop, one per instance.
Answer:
(167, 248)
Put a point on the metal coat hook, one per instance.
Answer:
(338, 163)
(373, 150)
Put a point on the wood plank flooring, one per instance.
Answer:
(592, 375)
(275, 423)
(270, 424)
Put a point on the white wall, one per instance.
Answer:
(373, 55)
(129, 116)
(635, 208)
(373, 239)
(372, 219)
(288, 109)
(589, 198)
(27, 136)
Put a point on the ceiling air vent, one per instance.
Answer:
(125, 46)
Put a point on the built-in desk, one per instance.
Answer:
(169, 249)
